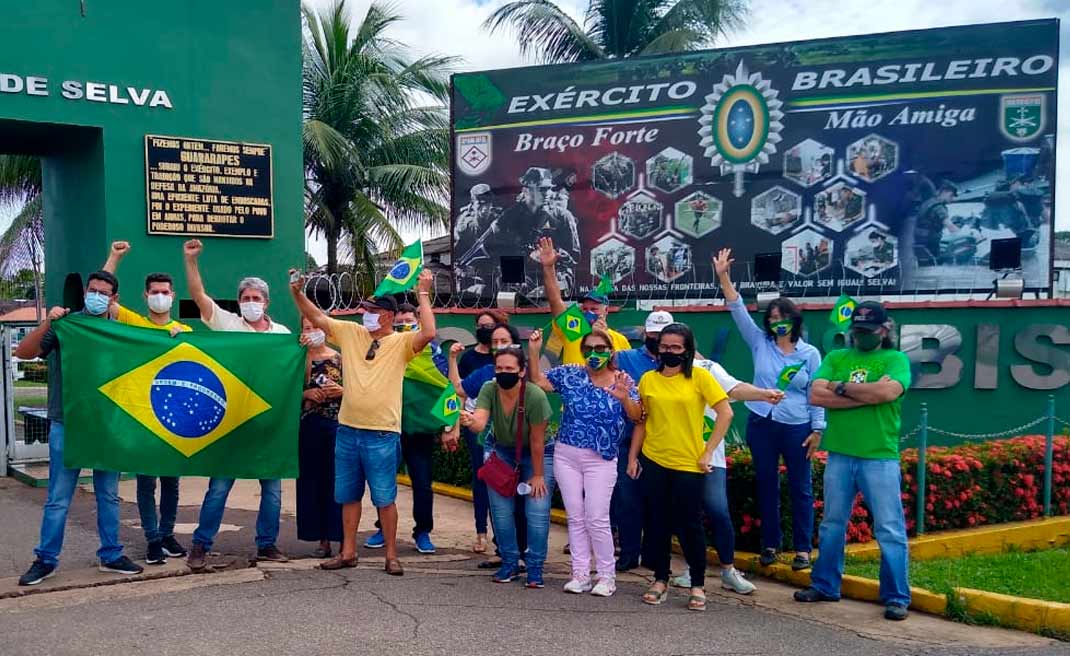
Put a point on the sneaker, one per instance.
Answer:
(732, 579)
(535, 578)
(423, 543)
(768, 557)
(605, 587)
(172, 548)
(505, 574)
(682, 581)
(271, 554)
(121, 565)
(809, 595)
(578, 586)
(198, 557)
(155, 555)
(895, 612)
(376, 541)
(800, 562)
(38, 572)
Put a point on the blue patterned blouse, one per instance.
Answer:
(592, 419)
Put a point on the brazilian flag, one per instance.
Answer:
(422, 390)
(402, 276)
(220, 404)
(842, 311)
(707, 428)
(572, 324)
(783, 380)
(448, 406)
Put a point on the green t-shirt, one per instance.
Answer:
(869, 431)
(536, 411)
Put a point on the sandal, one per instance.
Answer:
(338, 562)
(696, 602)
(656, 594)
(480, 545)
(393, 567)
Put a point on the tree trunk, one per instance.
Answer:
(332, 250)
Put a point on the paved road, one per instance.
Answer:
(443, 605)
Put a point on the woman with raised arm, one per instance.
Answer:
(782, 360)
(671, 458)
(598, 402)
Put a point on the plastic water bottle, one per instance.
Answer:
(523, 488)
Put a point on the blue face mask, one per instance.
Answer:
(591, 317)
(96, 303)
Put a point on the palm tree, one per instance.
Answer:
(616, 28)
(20, 182)
(376, 134)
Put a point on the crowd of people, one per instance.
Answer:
(639, 451)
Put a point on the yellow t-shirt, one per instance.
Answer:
(371, 389)
(131, 318)
(675, 412)
(571, 353)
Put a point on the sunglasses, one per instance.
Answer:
(370, 355)
(601, 349)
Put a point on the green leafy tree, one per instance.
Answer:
(376, 134)
(616, 28)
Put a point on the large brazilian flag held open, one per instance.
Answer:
(204, 403)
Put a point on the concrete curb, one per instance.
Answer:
(1017, 612)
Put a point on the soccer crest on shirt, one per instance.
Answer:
(858, 376)
(1022, 116)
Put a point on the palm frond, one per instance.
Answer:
(709, 18)
(544, 32)
(20, 178)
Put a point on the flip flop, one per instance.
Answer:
(393, 567)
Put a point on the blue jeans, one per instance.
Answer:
(480, 504)
(879, 482)
(537, 512)
(146, 506)
(215, 502)
(62, 483)
(366, 456)
(715, 503)
(768, 441)
(627, 508)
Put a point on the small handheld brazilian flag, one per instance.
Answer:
(572, 324)
(448, 406)
(842, 311)
(604, 288)
(786, 375)
(402, 276)
(707, 428)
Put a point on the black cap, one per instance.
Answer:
(382, 303)
(869, 315)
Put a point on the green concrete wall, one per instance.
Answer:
(232, 71)
(960, 408)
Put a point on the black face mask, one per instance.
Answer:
(864, 340)
(671, 359)
(507, 379)
(483, 335)
(652, 344)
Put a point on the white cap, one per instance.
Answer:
(656, 321)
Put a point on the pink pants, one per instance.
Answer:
(586, 481)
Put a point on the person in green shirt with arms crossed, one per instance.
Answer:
(862, 388)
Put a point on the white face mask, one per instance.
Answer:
(315, 337)
(371, 321)
(160, 303)
(252, 311)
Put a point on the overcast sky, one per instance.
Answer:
(453, 27)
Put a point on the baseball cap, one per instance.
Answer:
(656, 321)
(595, 296)
(869, 315)
(381, 303)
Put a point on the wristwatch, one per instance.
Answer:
(841, 389)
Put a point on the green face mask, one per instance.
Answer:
(782, 328)
(598, 361)
(865, 341)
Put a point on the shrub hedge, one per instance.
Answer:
(967, 485)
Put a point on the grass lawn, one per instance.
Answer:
(30, 383)
(1036, 574)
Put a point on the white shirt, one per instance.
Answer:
(727, 383)
(230, 322)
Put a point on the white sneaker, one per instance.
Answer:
(682, 581)
(732, 580)
(578, 586)
(605, 587)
